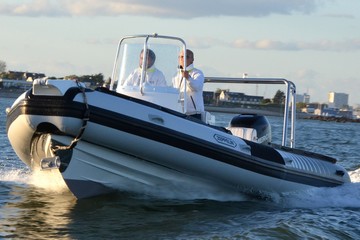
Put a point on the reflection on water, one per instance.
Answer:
(33, 213)
(36, 214)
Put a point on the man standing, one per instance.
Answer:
(194, 79)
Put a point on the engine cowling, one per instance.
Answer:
(253, 121)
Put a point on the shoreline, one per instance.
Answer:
(10, 93)
(14, 93)
(243, 110)
(299, 115)
(332, 119)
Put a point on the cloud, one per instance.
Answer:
(204, 42)
(155, 8)
(31, 8)
(263, 44)
(339, 15)
(278, 45)
(322, 45)
(306, 74)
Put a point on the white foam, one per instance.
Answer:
(347, 195)
(355, 175)
(49, 180)
(15, 175)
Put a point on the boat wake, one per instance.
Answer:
(50, 182)
(355, 175)
(187, 191)
(347, 195)
(16, 175)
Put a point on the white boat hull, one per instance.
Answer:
(133, 146)
(103, 170)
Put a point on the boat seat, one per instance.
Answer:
(245, 133)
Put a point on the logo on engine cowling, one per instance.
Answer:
(225, 140)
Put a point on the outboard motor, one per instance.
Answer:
(252, 127)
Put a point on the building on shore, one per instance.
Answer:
(15, 84)
(303, 98)
(15, 75)
(338, 100)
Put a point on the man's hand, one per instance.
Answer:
(185, 74)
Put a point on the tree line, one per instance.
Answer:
(94, 79)
(2, 66)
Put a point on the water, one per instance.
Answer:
(29, 210)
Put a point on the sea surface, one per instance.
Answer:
(33, 208)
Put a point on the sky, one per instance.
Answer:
(313, 43)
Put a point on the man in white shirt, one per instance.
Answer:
(194, 79)
(153, 76)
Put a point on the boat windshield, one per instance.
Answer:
(144, 68)
(151, 79)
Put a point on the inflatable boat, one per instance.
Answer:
(130, 138)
